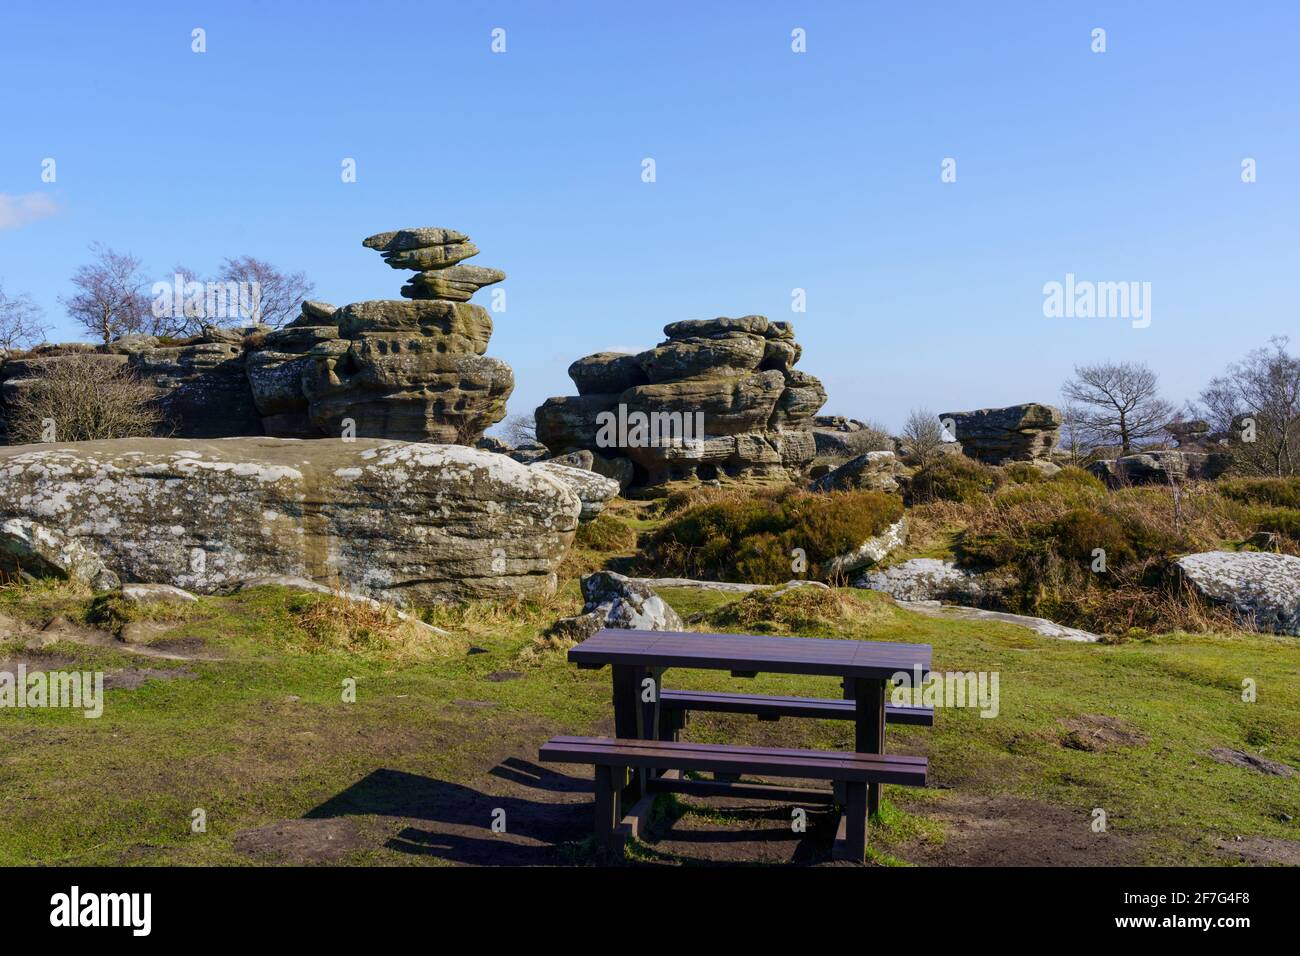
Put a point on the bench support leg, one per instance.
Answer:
(869, 735)
(609, 784)
(855, 822)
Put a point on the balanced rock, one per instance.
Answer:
(398, 522)
(997, 436)
(718, 399)
(413, 369)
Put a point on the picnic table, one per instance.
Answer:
(639, 658)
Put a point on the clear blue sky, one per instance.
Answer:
(775, 170)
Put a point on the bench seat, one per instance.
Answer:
(613, 757)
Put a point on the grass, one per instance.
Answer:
(265, 734)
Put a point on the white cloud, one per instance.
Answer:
(18, 211)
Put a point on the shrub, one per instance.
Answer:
(86, 399)
(1277, 521)
(605, 533)
(751, 538)
(799, 610)
(1020, 473)
(952, 477)
(1278, 492)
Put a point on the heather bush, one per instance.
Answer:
(751, 538)
(952, 477)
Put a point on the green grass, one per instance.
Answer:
(263, 734)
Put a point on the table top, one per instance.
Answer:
(752, 652)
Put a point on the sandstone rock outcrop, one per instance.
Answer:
(593, 490)
(840, 437)
(874, 471)
(398, 522)
(410, 369)
(926, 579)
(718, 399)
(998, 436)
(413, 369)
(1162, 467)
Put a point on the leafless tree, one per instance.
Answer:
(1257, 402)
(20, 322)
(923, 436)
(1076, 440)
(84, 397)
(1119, 403)
(280, 294)
(110, 301)
(520, 429)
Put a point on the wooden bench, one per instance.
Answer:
(675, 704)
(613, 758)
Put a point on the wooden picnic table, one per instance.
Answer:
(639, 658)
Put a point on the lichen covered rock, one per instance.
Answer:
(399, 522)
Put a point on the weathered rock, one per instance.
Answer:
(839, 437)
(275, 375)
(39, 548)
(455, 283)
(401, 240)
(403, 523)
(1263, 589)
(718, 399)
(1189, 433)
(925, 579)
(529, 452)
(1162, 467)
(607, 373)
(204, 390)
(575, 459)
(873, 471)
(997, 436)
(873, 550)
(593, 490)
(156, 594)
(459, 327)
(613, 600)
(620, 470)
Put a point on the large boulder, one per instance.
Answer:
(203, 387)
(718, 399)
(998, 436)
(404, 523)
(873, 471)
(32, 547)
(1262, 589)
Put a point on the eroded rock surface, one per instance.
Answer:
(997, 436)
(398, 522)
(718, 399)
(1263, 589)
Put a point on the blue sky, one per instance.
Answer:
(775, 171)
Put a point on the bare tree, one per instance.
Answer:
(20, 322)
(279, 294)
(84, 397)
(1119, 403)
(1257, 402)
(923, 435)
(520, 429)
(110, 301)
(1076, 440)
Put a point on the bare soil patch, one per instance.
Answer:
(1097, 733)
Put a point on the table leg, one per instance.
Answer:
(869, 728)
(636, 717)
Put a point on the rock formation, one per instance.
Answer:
(412, 369)
(875, 471)
(718, 399)
(612, 600)
(840, 437)
(1162, 467)
(399, 522)
(997, 436)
